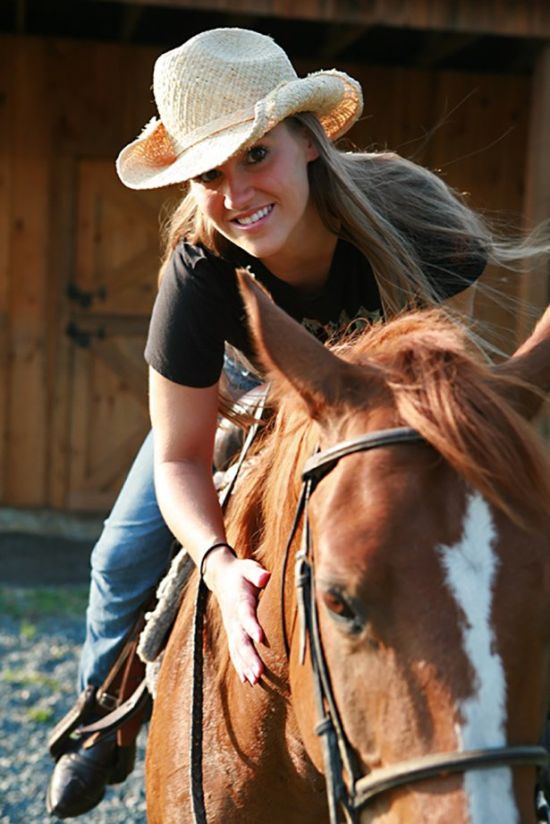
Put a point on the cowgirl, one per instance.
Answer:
(337, 238)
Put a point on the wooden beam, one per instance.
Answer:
(339, 39)
(130, 21)
(441, 47)
(512, 18)
(20, 16)
(535, 292)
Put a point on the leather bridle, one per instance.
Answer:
(352, 793)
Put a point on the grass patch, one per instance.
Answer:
(30, 605)
(27, 630)
(40, 715)
(24, 678)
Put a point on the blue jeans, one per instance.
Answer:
(129, 558)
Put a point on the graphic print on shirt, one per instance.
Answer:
(345, 325)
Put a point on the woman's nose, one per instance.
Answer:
(238, 192)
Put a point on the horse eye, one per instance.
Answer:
(341, 610)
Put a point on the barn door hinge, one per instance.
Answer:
(83, 337)
(83, 298)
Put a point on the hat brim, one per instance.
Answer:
(151, 161)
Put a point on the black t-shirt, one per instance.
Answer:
(198, 307)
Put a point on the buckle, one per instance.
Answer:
(106, 701)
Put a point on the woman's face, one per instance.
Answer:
(260, 199)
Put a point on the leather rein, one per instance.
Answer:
(357, 790)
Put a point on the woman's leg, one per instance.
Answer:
(127, 561)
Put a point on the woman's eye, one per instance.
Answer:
(208, 177)
(256, 154)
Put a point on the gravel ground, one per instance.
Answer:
(41, 630)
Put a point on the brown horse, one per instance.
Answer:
(431, 590)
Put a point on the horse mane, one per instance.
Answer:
(442, 388)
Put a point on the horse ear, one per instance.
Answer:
(291, 355)
(529, 370)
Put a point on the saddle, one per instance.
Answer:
(123, 701)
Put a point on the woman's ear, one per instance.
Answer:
(312, 150)
(303, 134)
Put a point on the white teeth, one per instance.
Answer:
(246, 221)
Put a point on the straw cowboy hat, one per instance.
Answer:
(217, 94)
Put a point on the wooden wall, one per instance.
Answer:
(63, 105)
(512, 18)
(79, 252)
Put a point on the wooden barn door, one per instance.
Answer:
(110, 298)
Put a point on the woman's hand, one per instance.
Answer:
(236, 583)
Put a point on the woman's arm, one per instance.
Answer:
(184, 424)
(531, 363)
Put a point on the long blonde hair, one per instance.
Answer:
(390, 208)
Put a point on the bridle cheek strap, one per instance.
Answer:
(443, 764)
(339, 757)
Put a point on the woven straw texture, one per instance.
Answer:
(220, 92)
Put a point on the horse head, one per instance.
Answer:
(431, 564)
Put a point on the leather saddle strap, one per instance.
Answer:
(124, 690)
(111, 722)
(82, 711)
(113, 688)
(132, 679)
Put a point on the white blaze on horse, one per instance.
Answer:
(423, 548)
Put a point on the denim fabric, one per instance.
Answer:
(130, 557)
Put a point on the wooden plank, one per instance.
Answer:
(120, 276)
(97, 104)
(31, 167)
(6, 114)
(512, 18)
(60, 347)
(116, 254)
(109, 422)
(80, 397)
(133, 374)
(480, 149)
(535, 291)
(82, 126)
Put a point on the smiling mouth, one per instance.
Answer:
(249, 220)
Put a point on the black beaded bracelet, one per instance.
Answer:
(211, 549)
